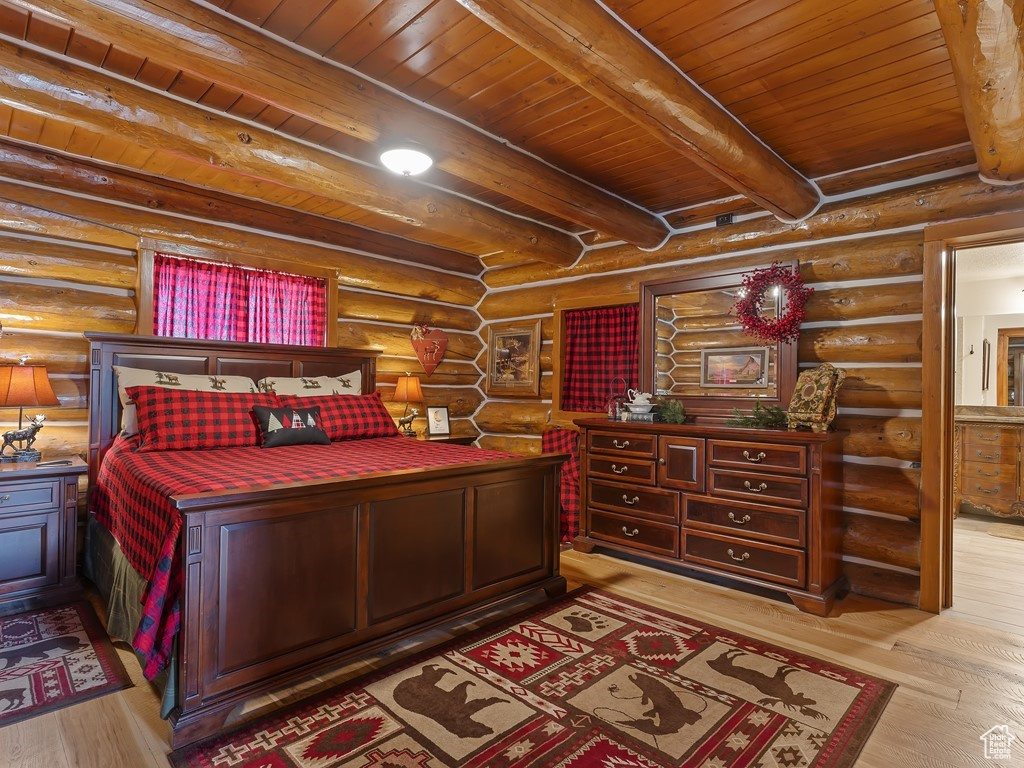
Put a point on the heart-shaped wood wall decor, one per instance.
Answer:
(430, 346)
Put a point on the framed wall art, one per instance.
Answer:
(513, 359)
(438, 421)
(741, 367)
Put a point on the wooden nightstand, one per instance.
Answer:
(38, 524)
(454, 439)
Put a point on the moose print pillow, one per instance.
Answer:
(348, 384)
(189, 382)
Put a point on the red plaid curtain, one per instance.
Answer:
(601, 345)
(566, 441)
(204, 300)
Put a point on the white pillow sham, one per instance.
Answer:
(349, 384)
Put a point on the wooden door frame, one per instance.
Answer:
(1003, 363)
(937, 335)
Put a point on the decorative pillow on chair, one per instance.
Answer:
(143, 377)
(290, 426)
(349, 417)
(177, 420)
(349, 384)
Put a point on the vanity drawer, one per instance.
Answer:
(623, 443)
(980, 488)
(758, 487)
(634, 500)
(635, 533)
(38, 494)
(981, 435)
(635, 470)
(791, 459)
(760, 560)
(995, 473)
(990, 454)
(755, 521)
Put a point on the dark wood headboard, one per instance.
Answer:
(201, 357)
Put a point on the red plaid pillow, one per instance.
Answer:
(179, 420)
(348, 417)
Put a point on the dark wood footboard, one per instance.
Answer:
(281, 582)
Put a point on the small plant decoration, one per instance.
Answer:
(786, 327)
(768, 417)
(671, 410)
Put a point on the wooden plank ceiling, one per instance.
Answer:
(828, 86)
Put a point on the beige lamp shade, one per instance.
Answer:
(26, 385)
(408, 390)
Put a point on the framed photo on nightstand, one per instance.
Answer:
(437, 420)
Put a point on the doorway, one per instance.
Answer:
(942, 350)
(988, 423)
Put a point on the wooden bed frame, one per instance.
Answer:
(279, 582)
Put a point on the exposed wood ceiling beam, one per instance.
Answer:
(225, 51)
(82, 97)
(588, 45)
(43, 166)
(985, 39)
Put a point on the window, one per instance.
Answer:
(597, 356)
(206, 300)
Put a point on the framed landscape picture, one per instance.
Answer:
(513, 359)
(741, 367)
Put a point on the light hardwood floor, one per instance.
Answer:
(956, 678)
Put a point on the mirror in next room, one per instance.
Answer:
(693, 346)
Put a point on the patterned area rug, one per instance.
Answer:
(588, 681)
(53, 658)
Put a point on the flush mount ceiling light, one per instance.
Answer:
(406, 160)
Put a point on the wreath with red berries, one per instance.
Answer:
(786, 327)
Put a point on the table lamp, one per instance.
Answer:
(408, 390)
(24, 385)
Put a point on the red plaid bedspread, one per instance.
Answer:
(132, 499)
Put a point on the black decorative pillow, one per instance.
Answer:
(290, 426)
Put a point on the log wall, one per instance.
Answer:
(864, 259)
(69, 265)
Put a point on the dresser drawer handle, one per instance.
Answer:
(991, 438)
(5, 497)
(988, 490)
(631, 502)
(742, 521)
(761, 456)
(620, 470)
(741, 558)
(634, 532)
(624, 444)
(989, 474)
(989, 455)
(749, 487)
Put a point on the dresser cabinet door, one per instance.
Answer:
(681, 463)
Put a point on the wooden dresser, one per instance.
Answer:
(987, 462)
(758, 506)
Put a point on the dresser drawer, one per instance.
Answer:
(634, 500)
(989, 454)
(791, 459)
(755, 521)
(635, 533)
(754, 486)
(996, 473)
(981, 435)
(29, 494)
(635, 470)
(623, 443)
(763, 561)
